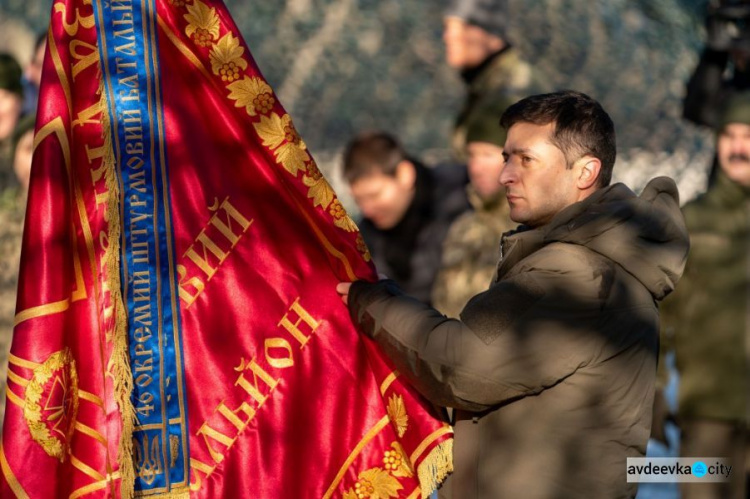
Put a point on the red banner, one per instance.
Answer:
(226, 365)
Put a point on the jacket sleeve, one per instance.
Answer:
(514, 340)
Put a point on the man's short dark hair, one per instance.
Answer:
(582, 126)
(370, 152)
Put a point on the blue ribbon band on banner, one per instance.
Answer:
(130, 68)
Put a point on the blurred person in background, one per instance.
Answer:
(32, 75)
(406, 208)
(724, 64)
(707, 320)
(16, 145)
(23, 148)
(472, 247)
(11, 105)
(476, 43)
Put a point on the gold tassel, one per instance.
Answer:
(435, 467)
(119, 363)
(182, 493)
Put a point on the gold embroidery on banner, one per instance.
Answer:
(226, 58)
(320, 191)
(225, 228)
(51, 403)
(279, 135)
(203, 23)
(254, 94)
(72, 28)
(146, 457)
(341, 219)
(15, 486)
(376, 483)
(397, 414)
(355, 452)
(387, 382)
(382, 483)
(174, 449)
(396, 462)
(41, 311)
(362, 248)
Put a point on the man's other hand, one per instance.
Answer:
(342, 289)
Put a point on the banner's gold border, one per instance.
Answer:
(428, 441)
(41, 311)
(387, 382)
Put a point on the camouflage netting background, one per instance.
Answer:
(340, 66)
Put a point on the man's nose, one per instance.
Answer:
(507, 174)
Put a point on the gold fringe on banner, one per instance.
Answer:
(435, 467)
(119, 362)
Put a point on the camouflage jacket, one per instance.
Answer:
(470, 253)
(707, 319)
(11, 230)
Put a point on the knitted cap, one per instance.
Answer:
(490, 15)
(736, 109)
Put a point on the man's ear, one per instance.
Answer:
(406, 174)
(590, 167)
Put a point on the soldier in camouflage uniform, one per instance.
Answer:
(495, 75)
(707, 320)
(472, 247)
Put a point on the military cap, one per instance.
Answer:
(736, 109)
(490, 15)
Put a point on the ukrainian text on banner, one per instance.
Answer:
(178, 330)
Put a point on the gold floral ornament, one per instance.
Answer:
(362, 248)
(376, 483)
(397, 414)
(278, 134)
(203, 23)
(226, 58)
(320, 191)
(178, 3)
(254, 94)
(340, 218)
(51, 403)
(396, 462)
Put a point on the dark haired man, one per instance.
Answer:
(552, 369)
(406, 207)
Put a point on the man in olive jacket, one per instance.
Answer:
(552, 369)
(707, 320)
